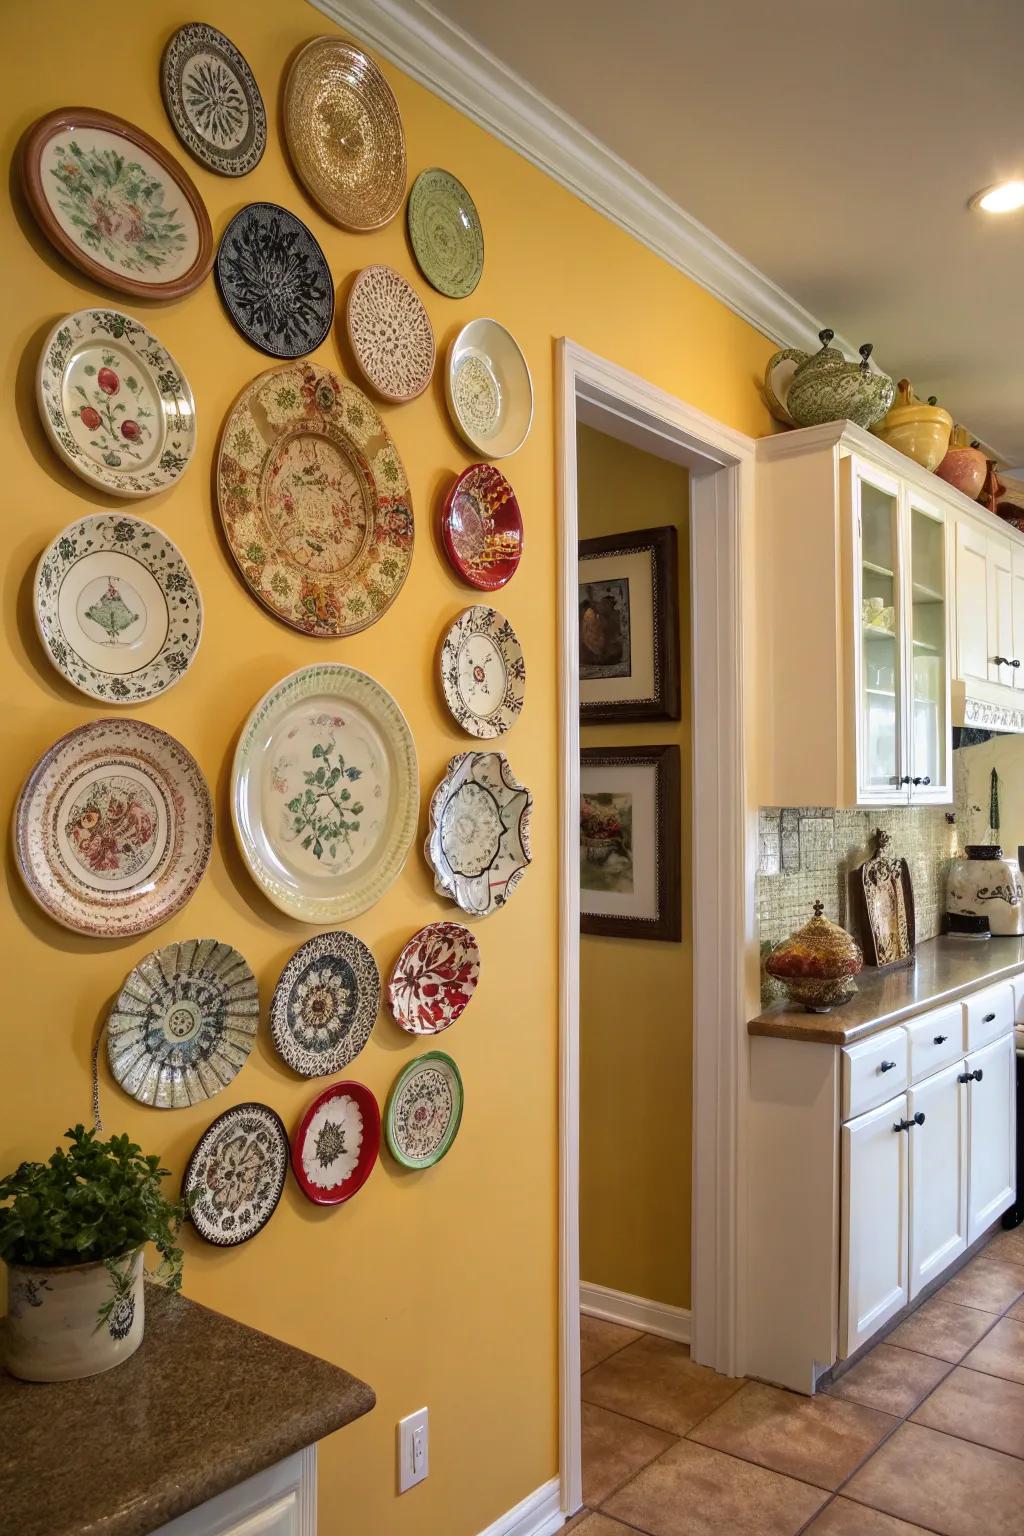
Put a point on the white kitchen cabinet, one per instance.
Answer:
(938, 1174)
(874, 1283)
(280, 1501)
(990, 1082)
(1017, 604)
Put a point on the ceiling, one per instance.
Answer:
(833, 147)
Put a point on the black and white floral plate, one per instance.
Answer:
(235, 1176)
(212, 100)
(483, 672)
(325, 1004)
(275, 281)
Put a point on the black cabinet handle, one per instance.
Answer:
(1006, 661)
(925, 780)
(971, 1077)
(941, 1039)
(989, 1018)
(886, 1066)
(905, 779)
(908, 1125)
(918, 1118)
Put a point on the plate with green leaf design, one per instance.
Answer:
(115, 404)
(325, 793)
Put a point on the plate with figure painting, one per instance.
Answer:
(337, 1143)
(424, 1110)
(117, 609)
(212, 100)
(434, 978)
(314, 501)
(325, 1004)
(482, 528)
(114, 403)
(478, 844)
(483, 672)
(183, 1023)
(325, 793)
(275, 281)
(236, 1174)
(114, 828)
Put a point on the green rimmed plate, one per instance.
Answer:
(444, 228)
(424, 1110)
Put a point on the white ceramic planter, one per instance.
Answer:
(989, 888)
(53, 1331)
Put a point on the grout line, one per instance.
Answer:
(617, 1351)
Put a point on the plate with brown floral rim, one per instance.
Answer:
(483, 672)
(314, 500)
(116, 204)
(236, 1174)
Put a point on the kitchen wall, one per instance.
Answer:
(972, 782)
(636, 1017)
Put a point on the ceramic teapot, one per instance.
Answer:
(805, 389)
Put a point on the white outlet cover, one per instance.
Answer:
(413, 1450)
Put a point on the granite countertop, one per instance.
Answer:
(945, 969)
(204, 1403)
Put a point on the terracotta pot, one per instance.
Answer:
(54, 1331)
(964, 466)
(921, 431)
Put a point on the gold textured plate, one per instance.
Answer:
(345, 134)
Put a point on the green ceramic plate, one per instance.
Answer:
(424, 1110)
(444, 228)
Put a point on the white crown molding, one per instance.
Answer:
(636, 1312)
(539, 1514)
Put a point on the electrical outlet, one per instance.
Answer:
(413, 1461)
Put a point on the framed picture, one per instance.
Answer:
(629, 626)
(629, 842)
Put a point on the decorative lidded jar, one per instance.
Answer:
(806, 389)
(817, 964)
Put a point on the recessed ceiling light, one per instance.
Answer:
(1004, 197)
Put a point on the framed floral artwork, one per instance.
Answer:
(630, 842)
(629, 626)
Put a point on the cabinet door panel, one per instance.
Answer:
(938, 1175)
(972, 601)
(879, 621)
(1000, 610)
(991, 1123)
(929, 759)
(1018, 615)
(873, 1237)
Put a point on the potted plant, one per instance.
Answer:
(72, 1232)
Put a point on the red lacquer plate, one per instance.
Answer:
(337, 1143)
(482, 528)
(434, 978)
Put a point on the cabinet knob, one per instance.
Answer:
(1005, 661)
(918, 1118)
(908, 1125)
(971, 1077)
(886, 1066)
(989, 1018)
(941, 1039)
(925, 780)
(905, 779)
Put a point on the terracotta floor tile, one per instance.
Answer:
(655, 1381)
(692, 1491)
(600, 1525)
(575, 1523)
(1001, 1352)
(599, 1339)
(1017, 1311)
(985, 1409)
(941, 1328)
(614, 1448)
(893, 1380)
(991, 1285)
(1007, 1245)
(843, 1518)
(819, 1439)
(944, 1484)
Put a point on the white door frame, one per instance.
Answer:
(721, 464)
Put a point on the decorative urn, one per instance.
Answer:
(993, 488)
(965, 465)
(985, 884)
(805, 389)
(817, 964)
(921, 431)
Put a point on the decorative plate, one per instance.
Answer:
(345, 134)
(325, 1004)
(212, 100)
(483, 672)
(424, 1110)
(114, 828)
(482, 528)
(325, 793)
(479, 838)
(489, 389)
(183, 1024)
(117, 609)
(314, 501)
(236, 1174)
(434, 978)
(116, 204)
(390, 334)
(115, 404)
(444, 228)
(337, 1143)
(275, 281)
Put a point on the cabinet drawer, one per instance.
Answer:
(874, 1070)
(936, 1041)
(987, 1015)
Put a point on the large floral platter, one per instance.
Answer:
(115, 404)
(479, 838)
(212, 100)
(325, 793)
(236, 1174)
(114, 828)
(424, 1110)
(183, 1023)
(434, 978)
(483, 672)
(116, 204)
(337, 1143)
(117, 609)
(314, 501)
(482, 528)
(325, 1004)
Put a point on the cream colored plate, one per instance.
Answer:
(489, 389)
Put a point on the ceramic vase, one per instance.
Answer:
(54, 1329)
(921, 431)
(964, 465)
(985, 884)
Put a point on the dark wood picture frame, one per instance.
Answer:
(666, 703)
(668, 924)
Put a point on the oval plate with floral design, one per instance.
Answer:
(325, 1004)
(117, 609)
(482, 528)
(390, 334)
(275, 281)
(337, 1143)
(314, 501)
(483, 672)
(183, 1023)
(479, 839)
(325, 793)
(236, 1174)
(444, 228)
(488, 389)
(115, 404)
(424, 1110)
(212, 100)
(114, 828)
(434, 978)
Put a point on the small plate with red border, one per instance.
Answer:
(336, 1144)
(482, 528)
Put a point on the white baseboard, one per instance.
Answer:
(636, 1312)
(539, 1514)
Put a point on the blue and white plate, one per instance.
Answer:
(325, 1004)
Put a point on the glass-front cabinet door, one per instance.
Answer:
(929, 743)
(878, 597)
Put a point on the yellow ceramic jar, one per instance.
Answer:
(919, 430)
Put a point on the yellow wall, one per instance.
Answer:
(437, 1288)
(636, 1016)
